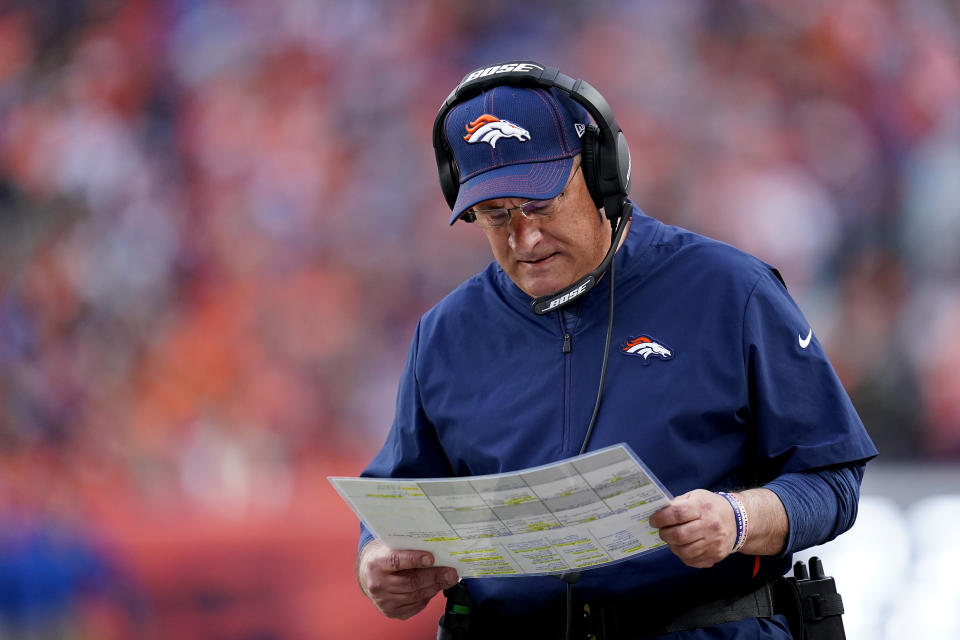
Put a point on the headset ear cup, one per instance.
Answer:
(588, 162)
(449, 179)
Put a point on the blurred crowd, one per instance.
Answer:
(220, 220)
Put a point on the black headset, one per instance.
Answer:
(605, 157)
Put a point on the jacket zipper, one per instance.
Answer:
(567, 377)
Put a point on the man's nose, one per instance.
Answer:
(524, 233)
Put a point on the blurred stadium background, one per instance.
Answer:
(220, 220)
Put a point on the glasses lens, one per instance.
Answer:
(492, 217)
(536, 208)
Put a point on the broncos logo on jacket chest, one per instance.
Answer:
(645, 347)
(491, 129)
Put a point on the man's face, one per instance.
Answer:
(544, 255)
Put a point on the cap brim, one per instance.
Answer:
(530, 181)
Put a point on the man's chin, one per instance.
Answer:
(540, 289)
(537, 282)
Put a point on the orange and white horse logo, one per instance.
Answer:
(491, 129)
(646, 347)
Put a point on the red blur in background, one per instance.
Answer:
(220, 222)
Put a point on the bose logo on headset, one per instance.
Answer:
(567, 297)
(502, 68)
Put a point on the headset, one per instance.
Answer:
(605, 157)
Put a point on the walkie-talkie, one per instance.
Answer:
(811, 603)
(455, 622)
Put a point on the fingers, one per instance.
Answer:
(401, 582)
(400, 560)
(404, 612)
(402, 604)
(699, 527)
(413, 583)
(682, 509)
(701, 553)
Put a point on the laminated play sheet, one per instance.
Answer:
(575, 514)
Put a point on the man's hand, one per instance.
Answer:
(699, 527)
(400, 583)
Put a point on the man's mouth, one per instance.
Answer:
(539, 260)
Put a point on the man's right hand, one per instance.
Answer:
(400, 583)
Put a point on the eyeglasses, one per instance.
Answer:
(531, 210)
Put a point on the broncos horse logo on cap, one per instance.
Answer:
(646, 347)
(490, 129)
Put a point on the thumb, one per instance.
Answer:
(403, 559)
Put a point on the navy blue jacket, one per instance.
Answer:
(735, 393)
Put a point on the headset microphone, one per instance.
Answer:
(551, 302)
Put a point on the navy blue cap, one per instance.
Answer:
(513, 142)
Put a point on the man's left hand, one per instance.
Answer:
(699, 527)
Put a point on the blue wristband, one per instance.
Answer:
(740, 515)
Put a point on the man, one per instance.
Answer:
(714, 379)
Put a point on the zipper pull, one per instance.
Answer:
(566, 343)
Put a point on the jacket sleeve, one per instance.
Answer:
(820, 504)
(802, 418)
(412, 449)
(811, 446)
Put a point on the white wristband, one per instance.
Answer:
(740, 515)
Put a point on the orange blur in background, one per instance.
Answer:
(220, 222)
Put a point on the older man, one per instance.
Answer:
(705, 365)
